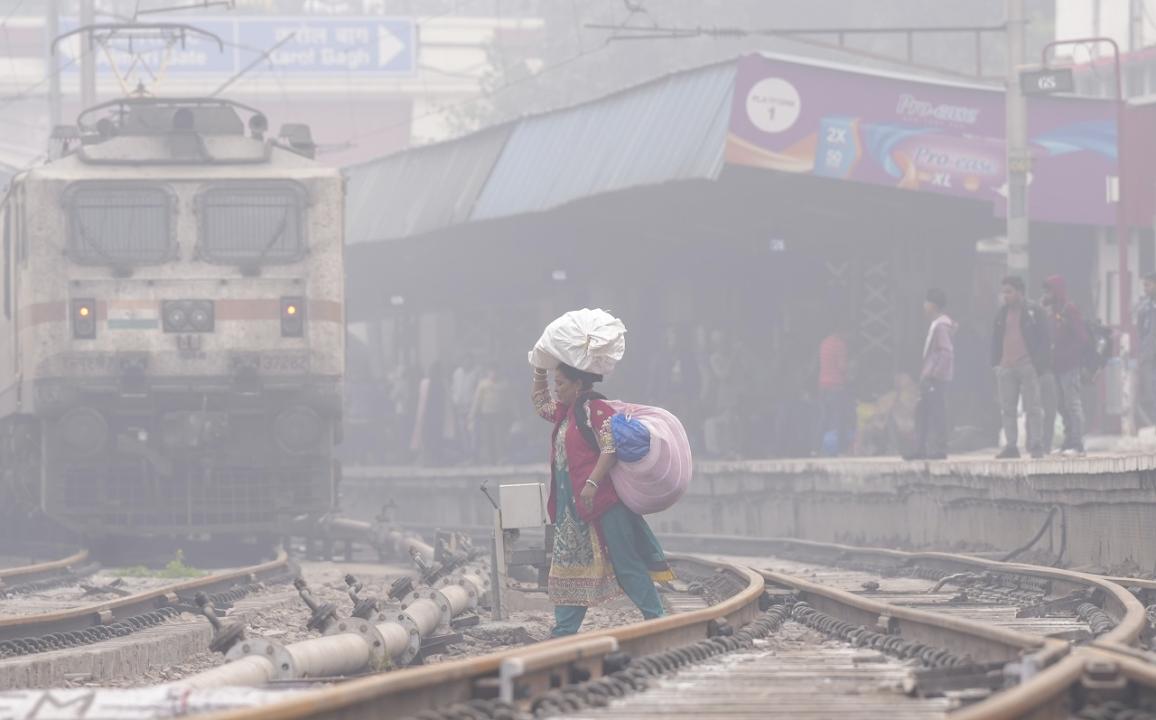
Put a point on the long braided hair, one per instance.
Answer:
(581, 415)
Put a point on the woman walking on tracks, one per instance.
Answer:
(601, 547)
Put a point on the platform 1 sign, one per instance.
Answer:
(325, 46)
(911, 133)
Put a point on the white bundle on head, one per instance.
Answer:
(589, 340)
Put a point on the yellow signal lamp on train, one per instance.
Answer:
(292, 317)
(84, 319)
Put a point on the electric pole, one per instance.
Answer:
(87, 57)
(1135, 25)
(1018, 158)
(52, 25)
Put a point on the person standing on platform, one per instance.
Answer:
(1019, 349)
(1069, 341)
(463, 386)
(835, 399)
(931, 429)
(486, 418)
(1146, 349)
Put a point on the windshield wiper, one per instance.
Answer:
(120, 267)
(94, 245)
(255, 266)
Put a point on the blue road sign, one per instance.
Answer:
(329, 46)
(319, 46)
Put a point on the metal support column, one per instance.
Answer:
(1018, 157)
(52, 27)
(87, 57)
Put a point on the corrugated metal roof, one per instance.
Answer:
(670, 129)
(419, 190)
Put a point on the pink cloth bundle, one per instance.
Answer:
(661, 477)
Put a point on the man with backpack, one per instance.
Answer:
(1070, 342)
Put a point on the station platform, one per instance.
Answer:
(1100, 509)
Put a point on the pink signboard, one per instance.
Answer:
(922, 136)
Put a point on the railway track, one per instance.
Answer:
(786, 612)
(44, 575)
(784, 628)
(61, 629)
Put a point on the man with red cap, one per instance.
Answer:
(1069, 338)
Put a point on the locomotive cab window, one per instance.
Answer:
(252, 224)
(119, 224)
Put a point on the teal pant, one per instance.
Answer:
(629, 541)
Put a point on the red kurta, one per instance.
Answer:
(582, 458)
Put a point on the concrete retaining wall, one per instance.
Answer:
(1108, 504)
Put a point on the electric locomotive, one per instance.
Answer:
(172, 325)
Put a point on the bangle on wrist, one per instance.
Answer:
(591, 482)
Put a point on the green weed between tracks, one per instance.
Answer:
(173, 569)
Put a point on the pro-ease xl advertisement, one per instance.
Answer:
(904, 133)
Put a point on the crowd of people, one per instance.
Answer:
(1043, 354)
(804, 401)
(464, 414)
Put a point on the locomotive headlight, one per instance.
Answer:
(184, 316)
(292, 317)
(176, 319)
(84, 319)
(201, 317)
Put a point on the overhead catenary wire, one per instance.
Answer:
(257, 61)
(11, 13)
(31, 89)
(433, 112)
(480, 98)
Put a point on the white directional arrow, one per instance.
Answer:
(389, 46)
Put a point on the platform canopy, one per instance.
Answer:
(781, 113)
(673, 128)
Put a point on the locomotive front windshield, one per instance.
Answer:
(251, 224)
(237, 223)
(120, 225)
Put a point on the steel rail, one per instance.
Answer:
(1042, 691)
(1047, 695)
(1127, 611)
(39, 571)
(1049, 669)
(410, 692)
(984, 643)
(106, 613)
(400, 694)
